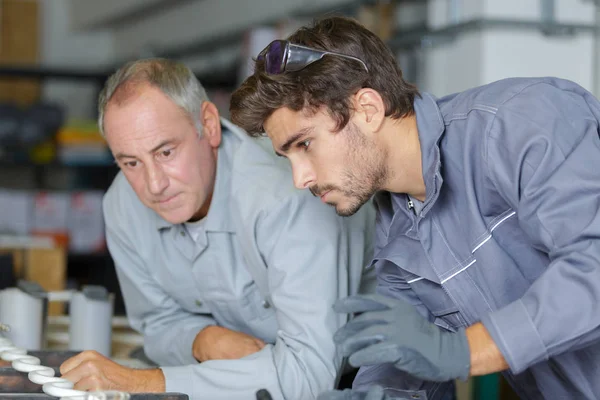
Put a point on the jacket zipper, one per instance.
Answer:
(411, 206)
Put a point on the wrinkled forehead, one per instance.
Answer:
(140, 97)
(147, 114)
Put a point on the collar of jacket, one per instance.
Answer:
(430, 124)
(219, 217)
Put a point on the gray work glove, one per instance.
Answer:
(374, 393)
(392, 331)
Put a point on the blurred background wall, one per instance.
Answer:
(443, 45)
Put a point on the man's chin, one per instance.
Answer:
(346, 211)
(174, 217)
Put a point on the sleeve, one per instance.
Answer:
(544, 160)
(168, 330)
(304, 244)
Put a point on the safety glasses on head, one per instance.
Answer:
(282, 56)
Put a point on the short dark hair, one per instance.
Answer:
(329, 82)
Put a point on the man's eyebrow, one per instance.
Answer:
(120, 156)
(284, 148)
(165, 142)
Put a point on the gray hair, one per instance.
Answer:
(172, 78)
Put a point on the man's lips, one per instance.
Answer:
(167, 199)
(323, 195)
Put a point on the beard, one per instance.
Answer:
(364, 174)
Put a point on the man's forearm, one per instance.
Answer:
(197, 345)
(219, 343)
(486, 357)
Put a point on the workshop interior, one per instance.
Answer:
(59, 289)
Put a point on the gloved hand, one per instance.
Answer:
(392, 331)
(374, 393)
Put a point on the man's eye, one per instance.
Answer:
(165, 154)
(131, 164)
(304, 144)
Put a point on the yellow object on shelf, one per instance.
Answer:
(80, 133)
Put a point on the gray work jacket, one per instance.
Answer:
(174, 286)
(509, 233)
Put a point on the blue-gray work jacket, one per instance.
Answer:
(509, 233)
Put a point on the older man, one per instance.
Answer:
(227, 270)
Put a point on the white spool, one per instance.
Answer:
(91, 327)
(25, 314)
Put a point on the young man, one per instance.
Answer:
(227, 270)
(488, 223)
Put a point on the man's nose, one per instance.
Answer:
(157, 180)
(303, 174)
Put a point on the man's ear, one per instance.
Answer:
(211, 123)
(369, 109)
